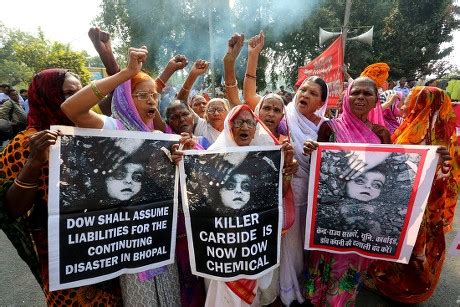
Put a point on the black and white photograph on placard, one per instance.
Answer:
(233, 211)
(364, 199)
(113, 208)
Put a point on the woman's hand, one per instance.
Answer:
(235, 43)
(309, 146)
(177, 62)
(199, 67)
(39, 144)
(136, 57)
(444, 159)
(187, 141)
(290, 166)
(256, 43)
(176, 154)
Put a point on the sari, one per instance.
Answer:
(430, 121)
(242, 292)
(174, 284)
(269, 286)
(29, 233)
(392, 115)
(333, 279)
(292, 262)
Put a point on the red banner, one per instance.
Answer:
(327, 66)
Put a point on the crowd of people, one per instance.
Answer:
(129, 99)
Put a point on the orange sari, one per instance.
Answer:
(431, 121)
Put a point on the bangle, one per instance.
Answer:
(287, 177)
(232, 85)
(250, 76)
(25, 185)
(96, 91)
(186, 89)
(162, 83)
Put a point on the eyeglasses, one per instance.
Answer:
(146, 96)
(214, 110)
(237, 123)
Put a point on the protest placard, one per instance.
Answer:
(368, 199)
(112, 208)
(232, 203)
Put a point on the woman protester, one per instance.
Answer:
(243, 128)
(304, 115)
(24, 189)
(207, 124)
(333, 279)
(134, 107)
(270, 110)
(430, 120)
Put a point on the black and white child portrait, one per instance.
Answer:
(227, 182)
(372, 200)
(100, 173)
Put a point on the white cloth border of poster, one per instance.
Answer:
(421, 188)
(53, 203)
(187, 212)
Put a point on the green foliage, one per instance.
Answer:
(401, 29)
(22, 55)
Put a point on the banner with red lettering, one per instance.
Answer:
(328, 66)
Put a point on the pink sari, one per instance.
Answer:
(334, 279)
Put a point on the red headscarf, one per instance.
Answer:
(45, 99)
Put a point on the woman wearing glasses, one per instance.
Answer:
(134, 107)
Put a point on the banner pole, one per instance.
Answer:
(345, 25)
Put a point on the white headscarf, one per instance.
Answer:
(262, 136)
(302, 129)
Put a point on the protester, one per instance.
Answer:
(391, 106)
(328, 276)
(402, 87)
(25, 186)
(430, 120)
(206, 124)
(249, 132)
(134, 107)
(198, 104)
(13, 117)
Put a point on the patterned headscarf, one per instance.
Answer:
(378, 72)
(431, 119)
(350, 129)
(123, 107)
(45, 99)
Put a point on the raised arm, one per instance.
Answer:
(176, 63)
(199, 67)
(78, 106)
(235, 43)
(103, 45)
(249, 86)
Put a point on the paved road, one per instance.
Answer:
(19, 288)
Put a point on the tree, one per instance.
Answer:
(401, 29)
(23, 54)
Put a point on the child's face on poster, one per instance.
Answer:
(366, 187)
(235, 193)
(125, 182)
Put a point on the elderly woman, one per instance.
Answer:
(243, 128)
(304, 116)
(24, 173)
(329, 275)
(209, 120)
(430, 120)
(134, 107)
